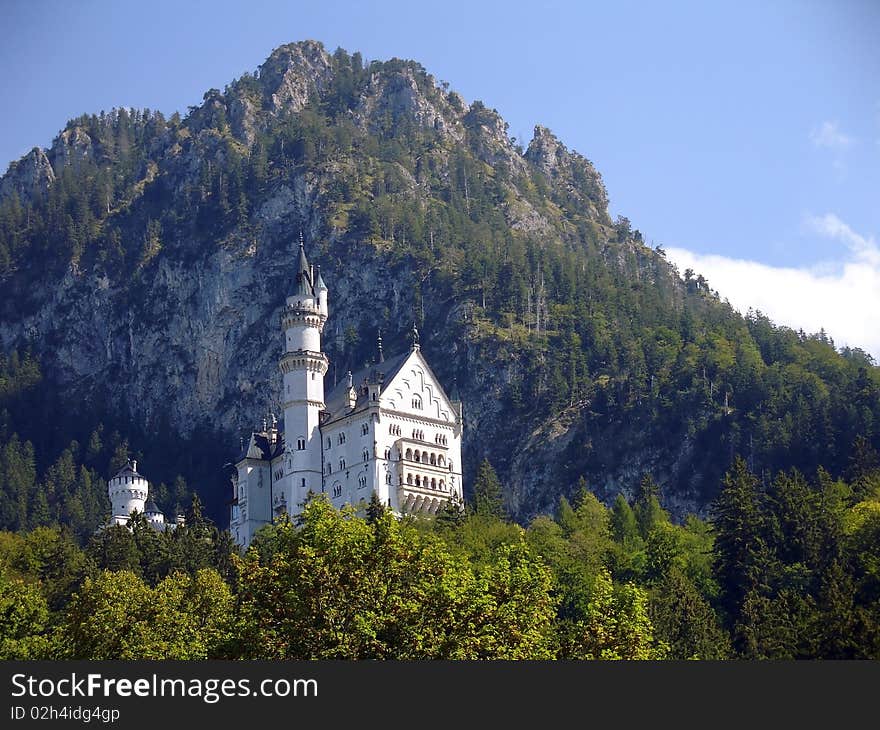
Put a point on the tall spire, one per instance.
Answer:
(415, 337)
(379, 343)
(303, 272)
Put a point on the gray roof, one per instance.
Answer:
(336, 403)
(303, 275)
(267, 450)
(152, 508)
(128, 471)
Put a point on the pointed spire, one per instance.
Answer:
(303, 272)
(319, 280)
(415, 337)
(379, 343)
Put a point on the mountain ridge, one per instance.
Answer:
(168, 246)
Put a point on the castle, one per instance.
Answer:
(389, 428)
(129, 492)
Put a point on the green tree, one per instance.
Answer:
(488, 497)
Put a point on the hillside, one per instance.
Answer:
(144, 261)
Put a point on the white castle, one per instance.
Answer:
(389, 428)
(129, 492)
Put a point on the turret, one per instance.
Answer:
(128, 493)
(321, 291)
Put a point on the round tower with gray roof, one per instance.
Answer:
(128, 493)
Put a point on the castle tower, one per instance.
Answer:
(128, 493)
(303, 366)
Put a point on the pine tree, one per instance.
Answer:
(488, 499)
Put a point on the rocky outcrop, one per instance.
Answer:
(71, 148)
(570, 171)
(29, 177)
(294, 74)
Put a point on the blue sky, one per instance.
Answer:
(744, 137)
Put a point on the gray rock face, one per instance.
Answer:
(31, 176)
(295, 72)
(570, 170)
(71, 148)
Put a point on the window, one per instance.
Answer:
(417, 402)
(329, 469)
(388, 478)
(337, 490)
(362, 482)
(424, 457)
(366, 455)
(409, 479)
(303, 485)
(342, 438)
(387, 453)
(313, 375)
(418, 456)
(329, 443)
(433, 484)
(365, 429)
(301, 444)
(441, 461)
(442, 486)
(433, 460)
(341, 464)
(418, 480)
(409, 454)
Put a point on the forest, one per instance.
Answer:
(784, 569)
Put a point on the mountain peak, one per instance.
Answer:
(294, 72)
(575, 171)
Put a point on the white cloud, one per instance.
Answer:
(844, 298)
(828, 135)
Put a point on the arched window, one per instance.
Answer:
(418, 456)
(424, 457)
(441, 461)
(329, 442)
(418, 480)
(409, 478)
(388, 478)
(329, 469)
(433, 460)
(387, 453)
(337, 490)
(442, 486)
(409, 454)
(433, 484)
(366, 455)
(341, 464)
(365, 429)
(417, 402)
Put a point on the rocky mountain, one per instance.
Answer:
(144, 261)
